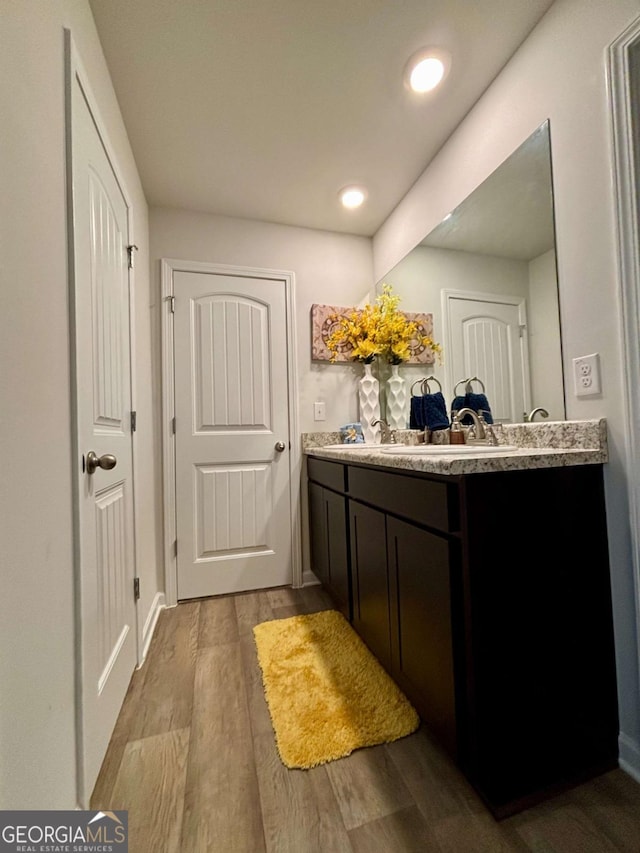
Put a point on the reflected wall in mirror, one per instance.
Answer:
(487, 272)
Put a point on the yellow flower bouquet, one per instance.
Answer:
(356, 332)
(378, 330)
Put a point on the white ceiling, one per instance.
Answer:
(264, 109)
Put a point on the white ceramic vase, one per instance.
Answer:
(396, 400)
(369, 398)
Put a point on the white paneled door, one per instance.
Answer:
(487, 339)
(233, 512)
(102, 395)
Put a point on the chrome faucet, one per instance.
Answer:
(388, 435)
(479, 426)
(537, 411)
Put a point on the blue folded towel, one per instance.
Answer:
(434, 411)
(416, 415)
(479, 403)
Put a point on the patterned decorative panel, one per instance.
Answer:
(487, 355)
(324, 319)
(233, 509)
(231, 370)
(108, 290)
(111, 576)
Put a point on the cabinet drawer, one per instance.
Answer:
(330, 474)
(428, 502)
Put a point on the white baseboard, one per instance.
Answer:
(309, 579)
(150, 622)
(629, 756)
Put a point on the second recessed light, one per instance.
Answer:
(352, 197)
(426, 69)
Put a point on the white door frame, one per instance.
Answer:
(167, 268)
(627, 190)
(74, 71)
(446, 297)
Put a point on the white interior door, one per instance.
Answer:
(233, 514)
(487, 339)
(102, 392)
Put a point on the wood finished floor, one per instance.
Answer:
(193, 759)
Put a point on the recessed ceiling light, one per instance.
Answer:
(352, 197)
(426, 69)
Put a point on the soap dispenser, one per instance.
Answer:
(457, 433)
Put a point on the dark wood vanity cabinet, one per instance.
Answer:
(487, 598)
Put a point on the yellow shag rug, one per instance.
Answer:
(327, 694)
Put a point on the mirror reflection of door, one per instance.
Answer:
(486, 338)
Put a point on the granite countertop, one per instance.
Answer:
(539, 445)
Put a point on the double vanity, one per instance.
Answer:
(479, 577)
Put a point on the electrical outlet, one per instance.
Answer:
(586, 375)
(319, 411)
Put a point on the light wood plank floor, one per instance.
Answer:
(193, 760)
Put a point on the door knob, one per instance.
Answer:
(280, 446)
(107, 461)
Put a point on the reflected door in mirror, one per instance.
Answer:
(487, 341)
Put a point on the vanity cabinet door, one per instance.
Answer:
(338, 550)
(370, 579)
(318, 533)
(330, 544)
(422, 625)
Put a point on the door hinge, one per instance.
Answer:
(172, 304)
(175, 548)
(522, 329)
(134, 421)
(173, 426)
(130, 250)
(136, 588)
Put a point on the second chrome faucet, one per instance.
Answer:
(388, 435)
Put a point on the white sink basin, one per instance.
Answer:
(448, 449)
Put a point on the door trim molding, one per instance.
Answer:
(627, 197)
(167, 268)
(447, 295)
(75, 71)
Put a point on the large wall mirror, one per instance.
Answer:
(488, 275)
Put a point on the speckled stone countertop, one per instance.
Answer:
(539, 445)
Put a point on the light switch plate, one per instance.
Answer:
(586, 375)
(319, 411)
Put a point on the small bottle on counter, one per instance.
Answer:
(456, 435)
